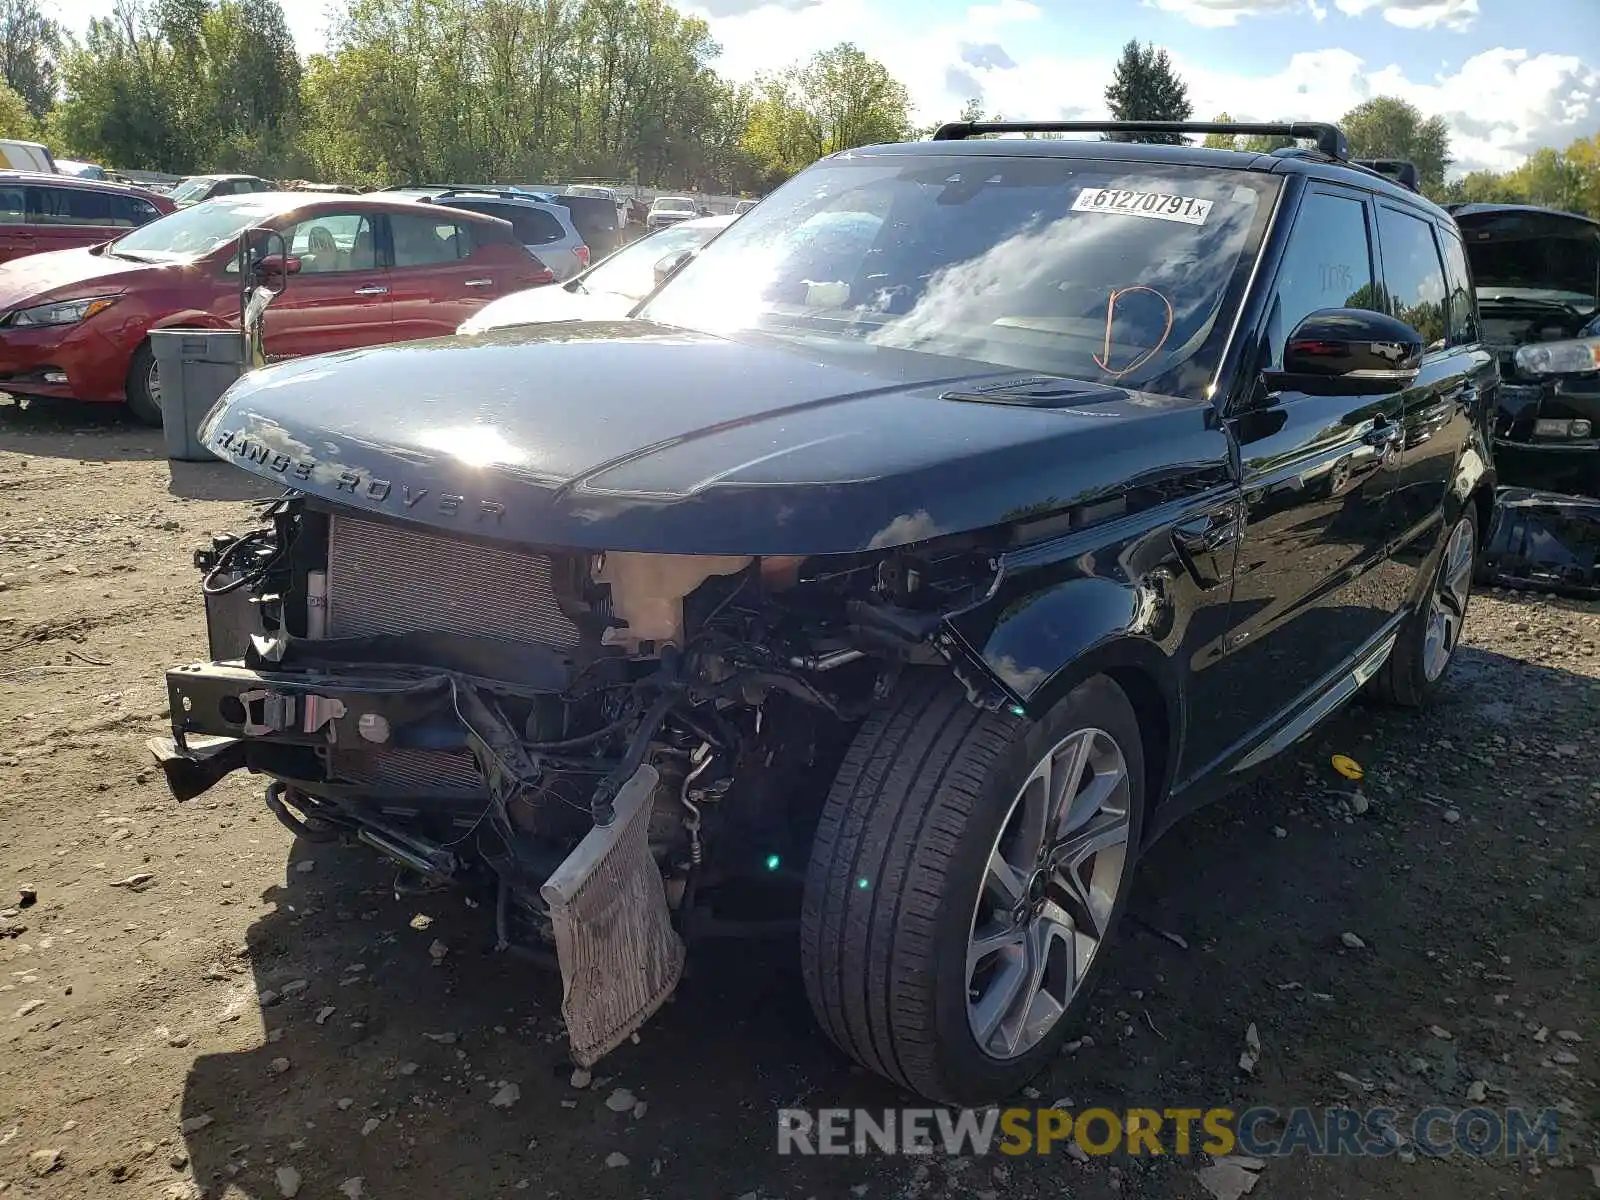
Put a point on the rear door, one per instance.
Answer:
(445, 268)
(64, 217)
(340, 297)
(1457, 371)
(16, 235)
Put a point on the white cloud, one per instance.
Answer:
(1416, 14)
(1216, 14)
(1408, 14)
(1500, 103)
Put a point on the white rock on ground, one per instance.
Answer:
(352, 1187)
(288, 1182)
(506, 1096)
(1231, 1177)
(621, 1100)
(616, 1159)
(1252, 1049)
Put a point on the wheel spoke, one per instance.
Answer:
(1099, 790)
(999, 999)
(991, 940)
(1003, 881)
(1111, 829)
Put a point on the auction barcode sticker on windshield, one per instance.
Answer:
(1190, 210)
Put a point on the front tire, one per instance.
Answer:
(144, 386)
(1428, 640)
(968, 869)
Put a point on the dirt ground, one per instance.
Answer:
(258, 1011)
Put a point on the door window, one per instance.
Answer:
(333, 242)
(68, 206)
(1462, 314)
(1413, 275)
(425, 241)
(12, 206)
(1327, 264)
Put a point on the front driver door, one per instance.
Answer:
(1314, 579)
(340, 298)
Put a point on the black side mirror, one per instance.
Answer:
(669, 266)
(273, 270)
(1349, 352)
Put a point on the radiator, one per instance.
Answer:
(388, 579)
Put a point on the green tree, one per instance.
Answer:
(1221, 141)
(1388, 127)
(29, 46)
(1145, 87)
(15, 119)
(841, 98)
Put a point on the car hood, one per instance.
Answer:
(62, 274)
(548, 304)
(633, 436)
(1522, 249)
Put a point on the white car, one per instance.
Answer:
(669, 210)
(607, 291)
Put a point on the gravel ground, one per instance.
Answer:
(195, 1004)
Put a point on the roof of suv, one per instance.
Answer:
(72, 181)
(1291, 161)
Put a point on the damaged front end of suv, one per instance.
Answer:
(617, 751)
(1537, 276)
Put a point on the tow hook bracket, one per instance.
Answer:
(266, 712)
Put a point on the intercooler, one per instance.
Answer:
(388, 579)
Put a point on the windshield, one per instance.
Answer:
(673, 202)
(192, 189)
(191, 232)
(1091, 269)
(631, 271)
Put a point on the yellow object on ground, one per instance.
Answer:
(1347, 766)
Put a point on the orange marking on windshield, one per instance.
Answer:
(1104, 363)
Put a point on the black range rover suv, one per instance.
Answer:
(915, 555)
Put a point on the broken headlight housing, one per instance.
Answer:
(1575, 357)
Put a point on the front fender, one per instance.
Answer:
(1126, 610)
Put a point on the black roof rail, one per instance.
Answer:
(1329, 138)
(1402, 171)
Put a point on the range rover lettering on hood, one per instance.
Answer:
(628, 437)
(403, 496)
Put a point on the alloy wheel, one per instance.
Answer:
(152, 383)
(1050, 885)
(1447, 606)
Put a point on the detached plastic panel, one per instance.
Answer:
(196, 366)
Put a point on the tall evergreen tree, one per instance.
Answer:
(1145, 87)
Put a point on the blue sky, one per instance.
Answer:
(1509, 75)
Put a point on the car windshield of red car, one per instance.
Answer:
(192, 232)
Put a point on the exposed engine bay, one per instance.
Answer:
(617, 752)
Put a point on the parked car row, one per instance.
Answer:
(365, 270)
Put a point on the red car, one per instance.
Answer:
(363, 270)
(40, 212)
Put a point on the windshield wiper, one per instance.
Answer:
(1528, 301)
